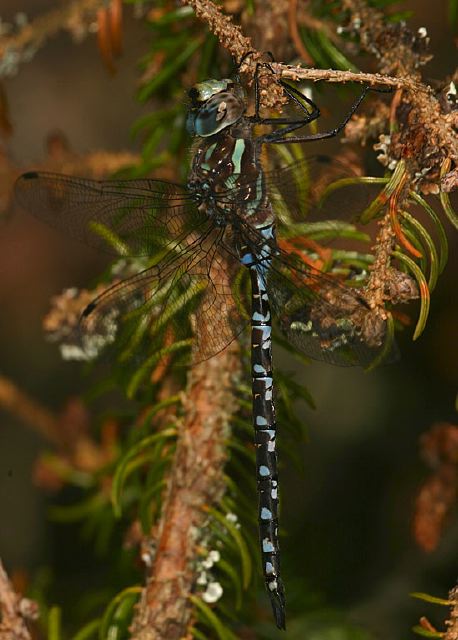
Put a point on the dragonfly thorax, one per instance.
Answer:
(227, 177)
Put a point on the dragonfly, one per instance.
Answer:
(205, 232)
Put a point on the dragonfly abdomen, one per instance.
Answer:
(265, 429)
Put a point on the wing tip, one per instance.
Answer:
(88, 309)
(29, 175)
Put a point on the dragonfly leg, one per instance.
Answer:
(278, 137)
(292, 124)
(265, 430)
(299, 99)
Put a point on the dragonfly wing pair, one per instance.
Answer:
(145, 217)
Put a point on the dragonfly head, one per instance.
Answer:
(215, 105)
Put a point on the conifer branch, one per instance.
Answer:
(195, 482)
(22, 45)
(18, 403)
(14, 611)
(452, 621)
(229, 34)
(424, 124)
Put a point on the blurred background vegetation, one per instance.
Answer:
(349, 554)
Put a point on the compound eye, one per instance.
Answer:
(220, 111)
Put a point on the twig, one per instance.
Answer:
(437, 496)
(295, 73)
(294, 33)
(239, 46)
(14, 610)
(19, 404)
(271, 94)
(427, 137)
(379, 270)
(21, 46)
(196, 480)
(452, 622)
(229, 34)
(425, 134)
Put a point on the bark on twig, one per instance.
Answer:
(239, 46)
(271, 94)
(452, 622)
(290, 72)
(14, 611)
(424, 129)
(196, 480)
(229, 34)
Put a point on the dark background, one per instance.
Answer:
(350, 510)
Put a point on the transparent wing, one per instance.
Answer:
(187, 293)
(131, 217)
(322, 317)
(302, 191)
(306, 188)
(140, 217)
(319, 314)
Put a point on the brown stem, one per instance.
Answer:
(379, 270)
(19, 404)
(240, 47)
(14, 611)
(452, 622)
(294, 33)
(428, 135)
(196, 481)
(104, 38)
(290, 72)
(425, 135)
(34, 34)
(229, 34)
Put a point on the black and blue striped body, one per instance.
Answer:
(224, 162)
(265, 432)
